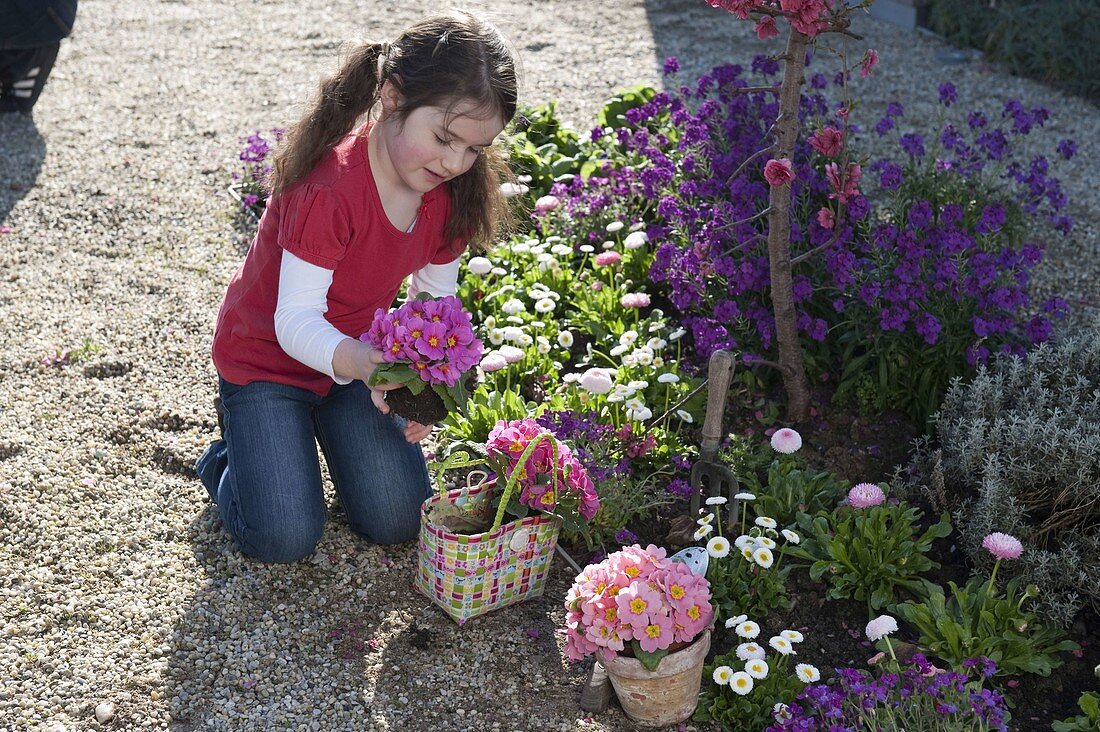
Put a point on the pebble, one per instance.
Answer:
(104, 712)
(116, 576)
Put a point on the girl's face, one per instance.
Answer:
(431, 146)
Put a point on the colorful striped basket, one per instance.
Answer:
(470, 574)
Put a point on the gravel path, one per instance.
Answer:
(118, 586)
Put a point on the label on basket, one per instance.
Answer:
(519, 539)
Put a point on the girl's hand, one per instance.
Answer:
(415, 432)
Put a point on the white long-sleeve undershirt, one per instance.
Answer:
(300, 324)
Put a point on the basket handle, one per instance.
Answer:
(481, 476)
(510, 485)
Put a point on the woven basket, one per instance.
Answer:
(470, 574)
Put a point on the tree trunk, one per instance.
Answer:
(779, 235)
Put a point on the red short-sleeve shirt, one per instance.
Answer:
(334, 219)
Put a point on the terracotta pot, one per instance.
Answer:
(665, 696)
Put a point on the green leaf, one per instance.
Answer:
(649, 659)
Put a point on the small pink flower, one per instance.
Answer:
(546, 204)
(844, 186)
(765, 28)
(865, 495)
(597, 381)
(493, 361)
(881, 627)
(606, 259)
(827, 141)
(786, 441)
(1003, 546)
(826, 218)
(634, 300)
(869, 62)
(778, 172)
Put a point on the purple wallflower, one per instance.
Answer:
(992, 219)
(913, 144)
(626, 537)
(672, 65)
(1067, 149)
(884, 125)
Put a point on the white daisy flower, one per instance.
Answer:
(765, 523)
(677, 334)
(736, 621)
(703, 531)
(782, 645)
(763, 557)
(545, 305)
(750, 651)
(499, 271)
(614, 226)
(656, 343)
(644, 357)
(629, 338)
(806, 673)
(634, 403)
(561, 250)
(746, 552)
(668, 378)
(722, 675)
(745, 496)
(716, 501)
(763, 541)
(757, 668)
(608, 244)
(718, 547)
(543, 345)
(619, 350)
(565, 339)
(744, 541)
(685, 415)
(748, 629)
(635, 240)
(586, 248)
(613, 398)
(514, 306)
(707, 519)
(791, 536)
(793, 636)
(638, 384)
(496, 336)
(741, 682)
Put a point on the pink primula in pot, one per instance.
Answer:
(636, 601)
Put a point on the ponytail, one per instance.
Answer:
(342, 99)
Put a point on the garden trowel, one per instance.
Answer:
(707, 474)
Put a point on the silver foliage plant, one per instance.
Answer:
(1020, 453)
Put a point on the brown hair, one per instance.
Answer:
(440, 61)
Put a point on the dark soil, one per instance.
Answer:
(426, 407)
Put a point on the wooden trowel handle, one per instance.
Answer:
(719, 376)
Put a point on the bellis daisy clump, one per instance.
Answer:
(638, 601)
(749, 681)
(546, 474)
(425, 343)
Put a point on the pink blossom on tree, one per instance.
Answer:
(778, 172)
(827, 141)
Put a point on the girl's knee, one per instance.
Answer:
(284, 543)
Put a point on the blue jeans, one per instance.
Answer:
(265, 474)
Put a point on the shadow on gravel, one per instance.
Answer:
(700, 36)
(21, 152)
(343, 641)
